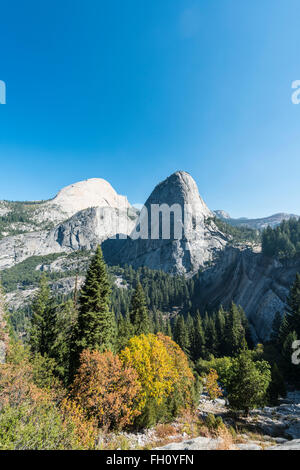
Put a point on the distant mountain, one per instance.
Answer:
(255, 224)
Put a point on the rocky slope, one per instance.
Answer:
(84, 230)
(270, 428)
(259, 284)
(23, 217)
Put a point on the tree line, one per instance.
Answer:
(282, 241)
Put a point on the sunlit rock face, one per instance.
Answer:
(157, 241)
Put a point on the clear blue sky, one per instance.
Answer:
(133, 90)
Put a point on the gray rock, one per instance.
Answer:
(290, 445)
(260, 285)
(249, 446)
(199, 443)
(84, 231)
(293, 431)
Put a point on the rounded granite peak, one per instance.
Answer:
(179, 188)
(93, 192)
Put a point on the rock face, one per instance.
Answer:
(198, 443)
(85, 230)
(259, 284)
(168, 250)
(291, 445)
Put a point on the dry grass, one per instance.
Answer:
(227, 442)
(165, 430)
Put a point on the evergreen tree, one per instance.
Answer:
(66, 315)
(248, 382)
(235, 332)
(181, 336)
(139, 315)
(125, 330)
(96, 326)
(283, 330)
(245, 325)
(190, 329)
(276, 325)
(3, 328)
(41, 324)
(198, 346)
(294, 307)
(220, 329)
(211, 337)
(277, 387)
(291, 371)
(168, 328)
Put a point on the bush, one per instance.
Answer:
(248, 382)
(213, 423)
(212, 386)
(164, 375)
(33, 413)
(106, 389)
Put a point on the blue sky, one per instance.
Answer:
(133, 90)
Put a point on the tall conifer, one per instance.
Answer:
(41, 326)
(96, 326)
(139, 315)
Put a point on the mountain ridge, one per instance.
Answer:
(255, 224)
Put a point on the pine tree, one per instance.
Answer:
(198, 346)
(96, 326)
(168, 328)
(159, 326)
(246, 326)
(294, 306)
(64, 330)
(235, 332)
(139, 315)
(276, 325)
(41, 325)
(3, 328)
(190, 328)
(291, 371)
(248, 382)
(181, 336)
(220, 329)
(125, 330)
(277, 387)
(283, 330)
(211, 337)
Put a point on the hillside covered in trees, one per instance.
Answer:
(282, 241)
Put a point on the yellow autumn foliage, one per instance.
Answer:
(154, 357)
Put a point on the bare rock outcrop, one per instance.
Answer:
(85, 230)
(259, 284)
(155, 242)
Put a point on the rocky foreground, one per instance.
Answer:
(270, 428)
